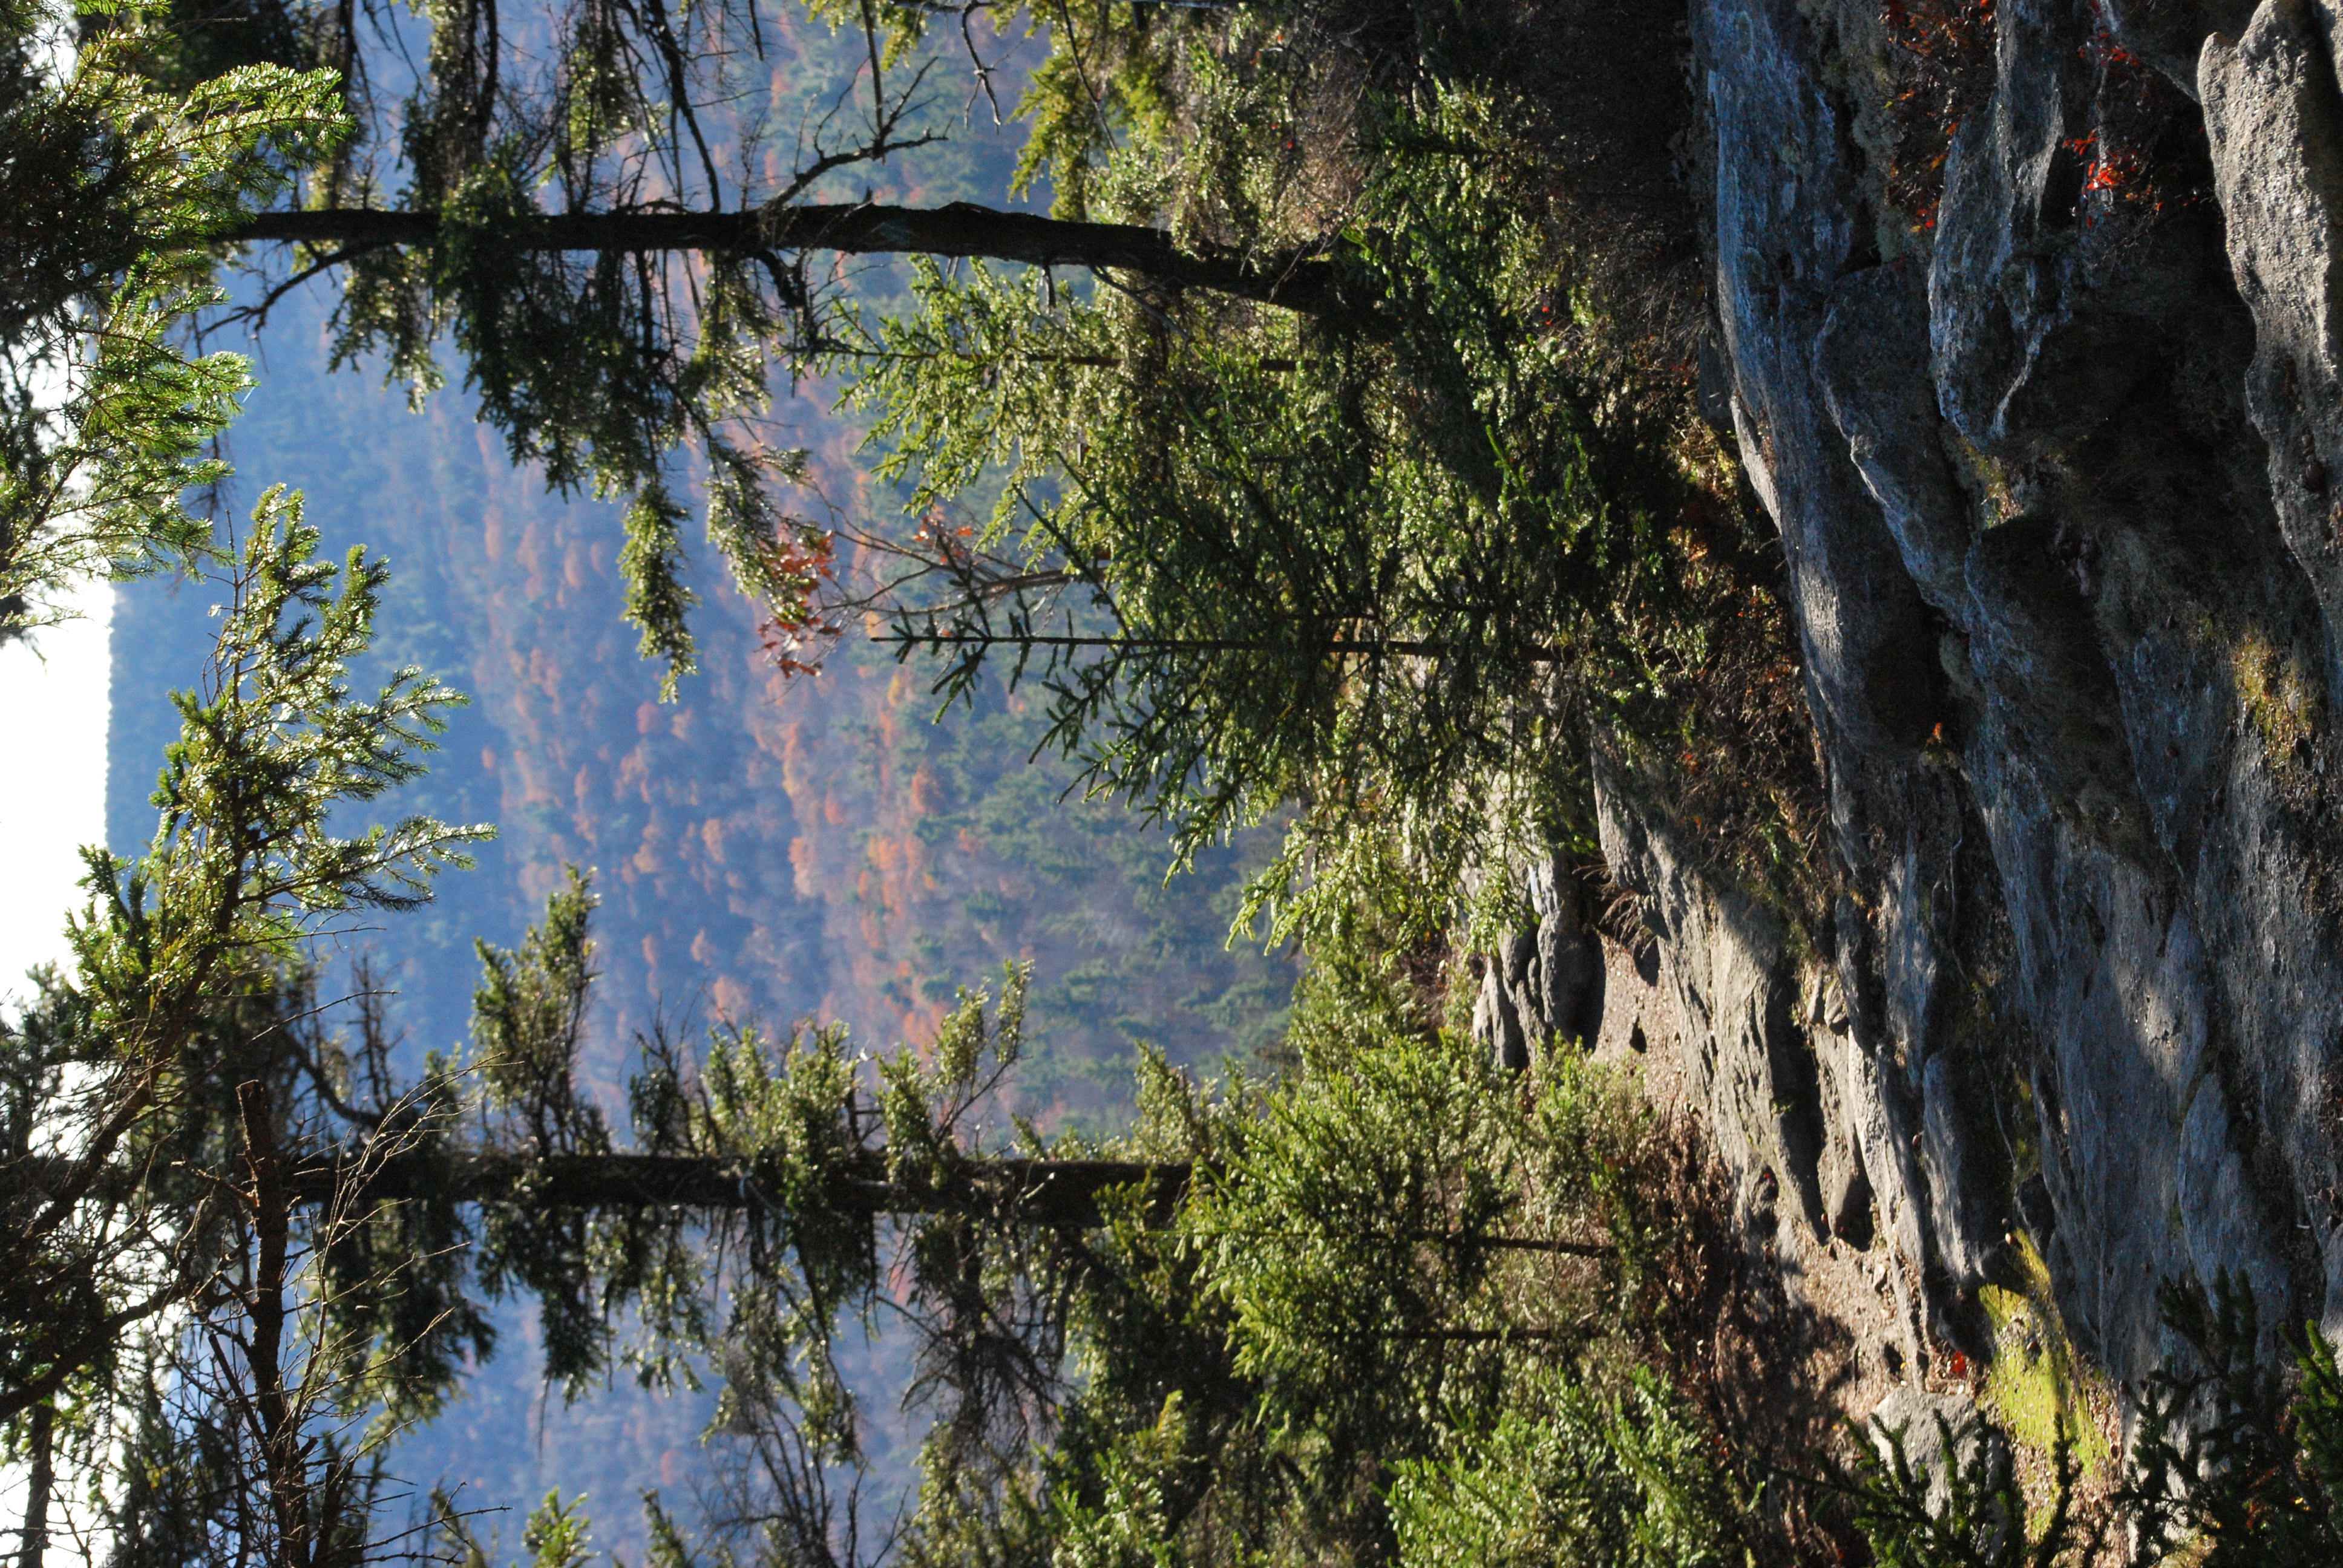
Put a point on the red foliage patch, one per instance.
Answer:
(2145, 155)
(1943, 62)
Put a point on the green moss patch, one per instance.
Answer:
(2036, 1386)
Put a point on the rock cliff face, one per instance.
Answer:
(2058, 467)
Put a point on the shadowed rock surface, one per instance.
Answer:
(2050, 465)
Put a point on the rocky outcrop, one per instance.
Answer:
(1544, 983)
(2060, 488)
(1745, 1054)
(1921, 1427)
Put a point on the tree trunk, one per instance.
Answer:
(1300, 282)
(40, 1480)
(283, 1465)
(1038, 1192)
(1397, 648)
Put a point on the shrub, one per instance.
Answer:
(2231, 1451)
(1570, 1478)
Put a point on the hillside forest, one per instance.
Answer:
(1099, 782)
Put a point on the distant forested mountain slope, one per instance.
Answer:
(763, 848)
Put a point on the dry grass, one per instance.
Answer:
(1761, 1363)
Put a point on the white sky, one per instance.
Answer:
(53, 710)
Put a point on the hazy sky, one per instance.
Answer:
(53, 700)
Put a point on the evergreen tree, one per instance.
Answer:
(150, 1093)
(1257, 1311)
(614, 293)
(625, 251)
(1400, 577)
(1401, 568)
(114, 187)
(241, 1253)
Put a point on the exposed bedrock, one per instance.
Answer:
(2060, 488)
